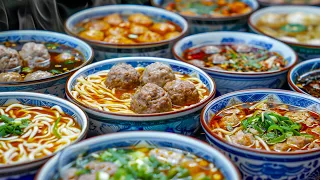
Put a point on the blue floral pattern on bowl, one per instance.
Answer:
(103, 51)
(142, 139)
(27, 170)
(54, 86)
(207, 24)
(179, 122)
(300, 69)
(304, 51)
(233, 81)
(256, 165)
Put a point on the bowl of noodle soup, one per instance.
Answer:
(268, 133)
(148, 106)
(33, 128)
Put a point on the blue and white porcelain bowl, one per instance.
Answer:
(143, 139)
(232, 81)
(185, 121)
(300, 69)
(104, 50)
(26, 170)
(54, 85)
(304, 51)
(258, 164)
(209, 24)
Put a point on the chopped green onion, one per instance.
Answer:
(55, 128)
(277, 140)
(54, 71)
(275, 127)
(69, 61)
(26, 70)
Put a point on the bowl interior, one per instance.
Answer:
(47, 36)
(43, 100)
(254, 95)
(302, 68)
(177, 66)
(235, 38)
(157, 14)
(163, 3)
(142, 139)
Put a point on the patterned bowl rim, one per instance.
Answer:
(55, 77)
(246, 149)
(225, 18)
(149, 134)
(154, 59)
(232, 33)
(82, 136)
(294, 69)
(121, 6)
(265, 3)
(283, 7)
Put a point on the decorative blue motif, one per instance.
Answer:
(103, 52)
(55, 86)
(186, 124)
(254, 165)
(232, 81)
(145, 139)
(34, 99)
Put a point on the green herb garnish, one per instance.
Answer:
(69, 61)
(294, 28)
(12, 127)
(55, 128)
(26, 70)
(54, 71)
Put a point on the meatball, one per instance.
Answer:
(9, 58)
(113, 19)
(122, 76)
(157, 73)
(140, 19)
(150, 99)
(10, 77)
(182, 93)
(137, 29)
(35, 55)
(117, 31)
(37, 75)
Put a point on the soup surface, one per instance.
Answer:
(291, 1)
(32, 61)
(209, 8)
(268, 126)
(297, 27)
(132, 29)
(30, 132)
(141, 163)
(237, 58)
(142, 90)
(310, 84)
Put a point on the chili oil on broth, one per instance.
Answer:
(268, 126)
(92, 91)
(123, 29)
(235, 58)
(62, 58)
(140, 163)
(209, 8)
(38, 132)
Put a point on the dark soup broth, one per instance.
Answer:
(268, 126)
(310, 84)
(236, 58)
(25, 61)
(141, 163)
